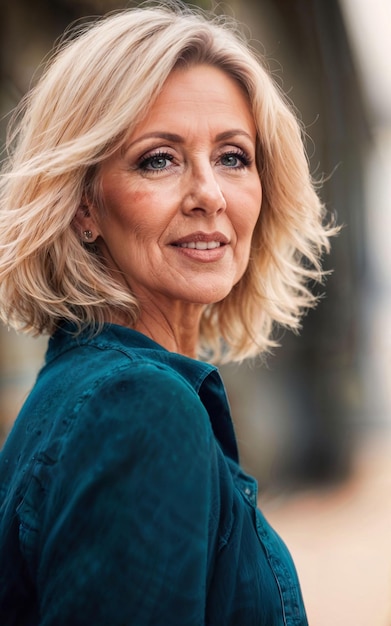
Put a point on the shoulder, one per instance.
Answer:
(137, 403)
(108, 370)
(134, 422)
(141, 387)
(146, 406)
(117, 375)
(140, 429)
(97, 397)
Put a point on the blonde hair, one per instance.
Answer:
(94, 91)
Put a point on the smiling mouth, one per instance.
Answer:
(200, 245)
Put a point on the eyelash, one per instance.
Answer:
(147, 160)
(245, 160)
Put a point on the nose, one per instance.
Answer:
(203, 192)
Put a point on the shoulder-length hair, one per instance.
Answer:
(94, 91)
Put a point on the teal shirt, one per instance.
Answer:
(122, 501)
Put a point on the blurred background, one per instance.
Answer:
(314, 420)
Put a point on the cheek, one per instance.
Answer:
(256, 208)
(123, 210)
(138, 197)
(139, 208)
(249, 215)
(255, 213)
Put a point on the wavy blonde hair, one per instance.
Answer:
(94, 91)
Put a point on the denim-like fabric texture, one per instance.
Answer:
(122, 501)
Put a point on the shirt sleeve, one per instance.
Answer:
(125, 537)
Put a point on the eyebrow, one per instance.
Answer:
(227, 134)
(156, 135)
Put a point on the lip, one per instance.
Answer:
(201, 236)
(209, 255)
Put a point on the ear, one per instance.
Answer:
(84, 224)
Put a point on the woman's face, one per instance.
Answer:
(183, 195)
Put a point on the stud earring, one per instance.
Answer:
(87, 234)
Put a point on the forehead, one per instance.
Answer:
(199, 95)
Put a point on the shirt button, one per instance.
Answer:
(247, 491)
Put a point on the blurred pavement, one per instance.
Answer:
(340, 539)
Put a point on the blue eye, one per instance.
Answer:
(235, 160)
(231, 160)
(155, 162)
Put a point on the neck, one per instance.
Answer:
(177, 329)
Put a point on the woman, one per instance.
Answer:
(156, 210)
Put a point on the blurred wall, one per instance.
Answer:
(296, 416)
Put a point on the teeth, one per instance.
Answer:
(201, 245)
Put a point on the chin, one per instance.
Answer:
(208, 296)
